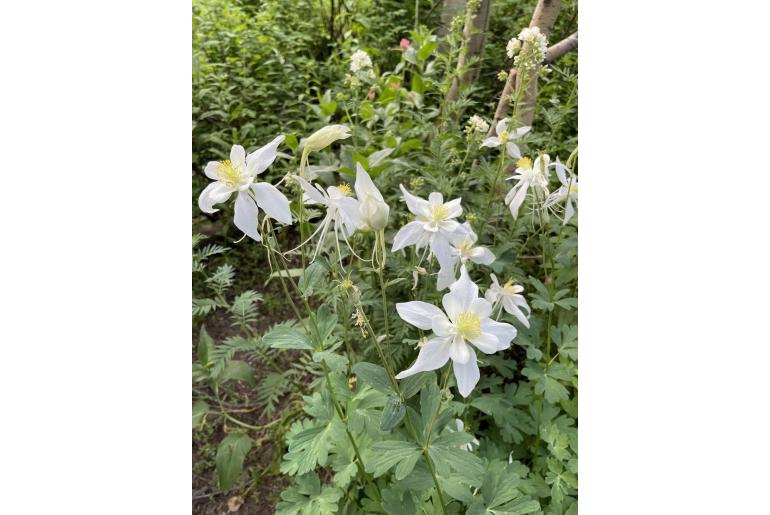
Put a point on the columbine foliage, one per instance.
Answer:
(394, 301)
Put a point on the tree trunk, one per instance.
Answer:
(474, 37)
(544, 17)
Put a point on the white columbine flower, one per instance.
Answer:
(463, 248)
(373, 210)
(506, 138)
(567, 193)
(360, 60)
(512, 47)
(509, 297)
(528, 175)
(466, 321)
(238, 174)
(342, 213)
(434, 225)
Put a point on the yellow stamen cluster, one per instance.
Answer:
(525, 163)
(469, 325)
(503, 137)
(345, 189)
(228, 173)
(439, 212)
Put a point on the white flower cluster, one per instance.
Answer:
(533, 49)
(513, 46)
(359, 61)
(467, 322)
(476, 124)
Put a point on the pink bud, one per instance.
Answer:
(370, 95)
(405, 43)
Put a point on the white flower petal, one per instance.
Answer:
(517, 200)
(436, 198)
(513, 150)
(275, 203)
(490, 142)
(441, 326)
(258, 161)
(464, 289)
(434, 354)
(348, 209)
(482, 307)
(214, 193)
(445, 277)
(416, 205)
(211, 170)
(410, 234)
(418, 313)
(246, 212)
(364, 185)
(510, 306)
(501, 126)
(482, 256)
(569, 212)
(440, 247)
(454, 209)
(237, 155)
(459, 351)
(521, 131)
(452, 305)
(487, 343)
(466, 375)
(504, 332)
(311, 191)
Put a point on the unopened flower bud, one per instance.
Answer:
(325, 136)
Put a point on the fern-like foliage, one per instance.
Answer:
(223, 353)
(244, 307)
(202, 307)
(272, 387)
(222, 279)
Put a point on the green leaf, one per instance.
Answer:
(308, 498)
(237, 370)
(386, 454)
(375, 158)
(286, 335)
(308, 445)
(313, 275)
(291, 142)
(205, 346)
(413, 384)
(373, 375)
(430, 400)
(229, 459)
(335, 362)
(427, 48)
(200, 409)
(392, 414)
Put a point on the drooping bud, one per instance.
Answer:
(325, 136)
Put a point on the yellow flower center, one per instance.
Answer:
(573, 188)
(345, 189)
(439, 212)
(228, 173)
(469, 325)
(346, 284)
(525, 163)
(503, 137)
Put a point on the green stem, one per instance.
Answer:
(325, 367)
